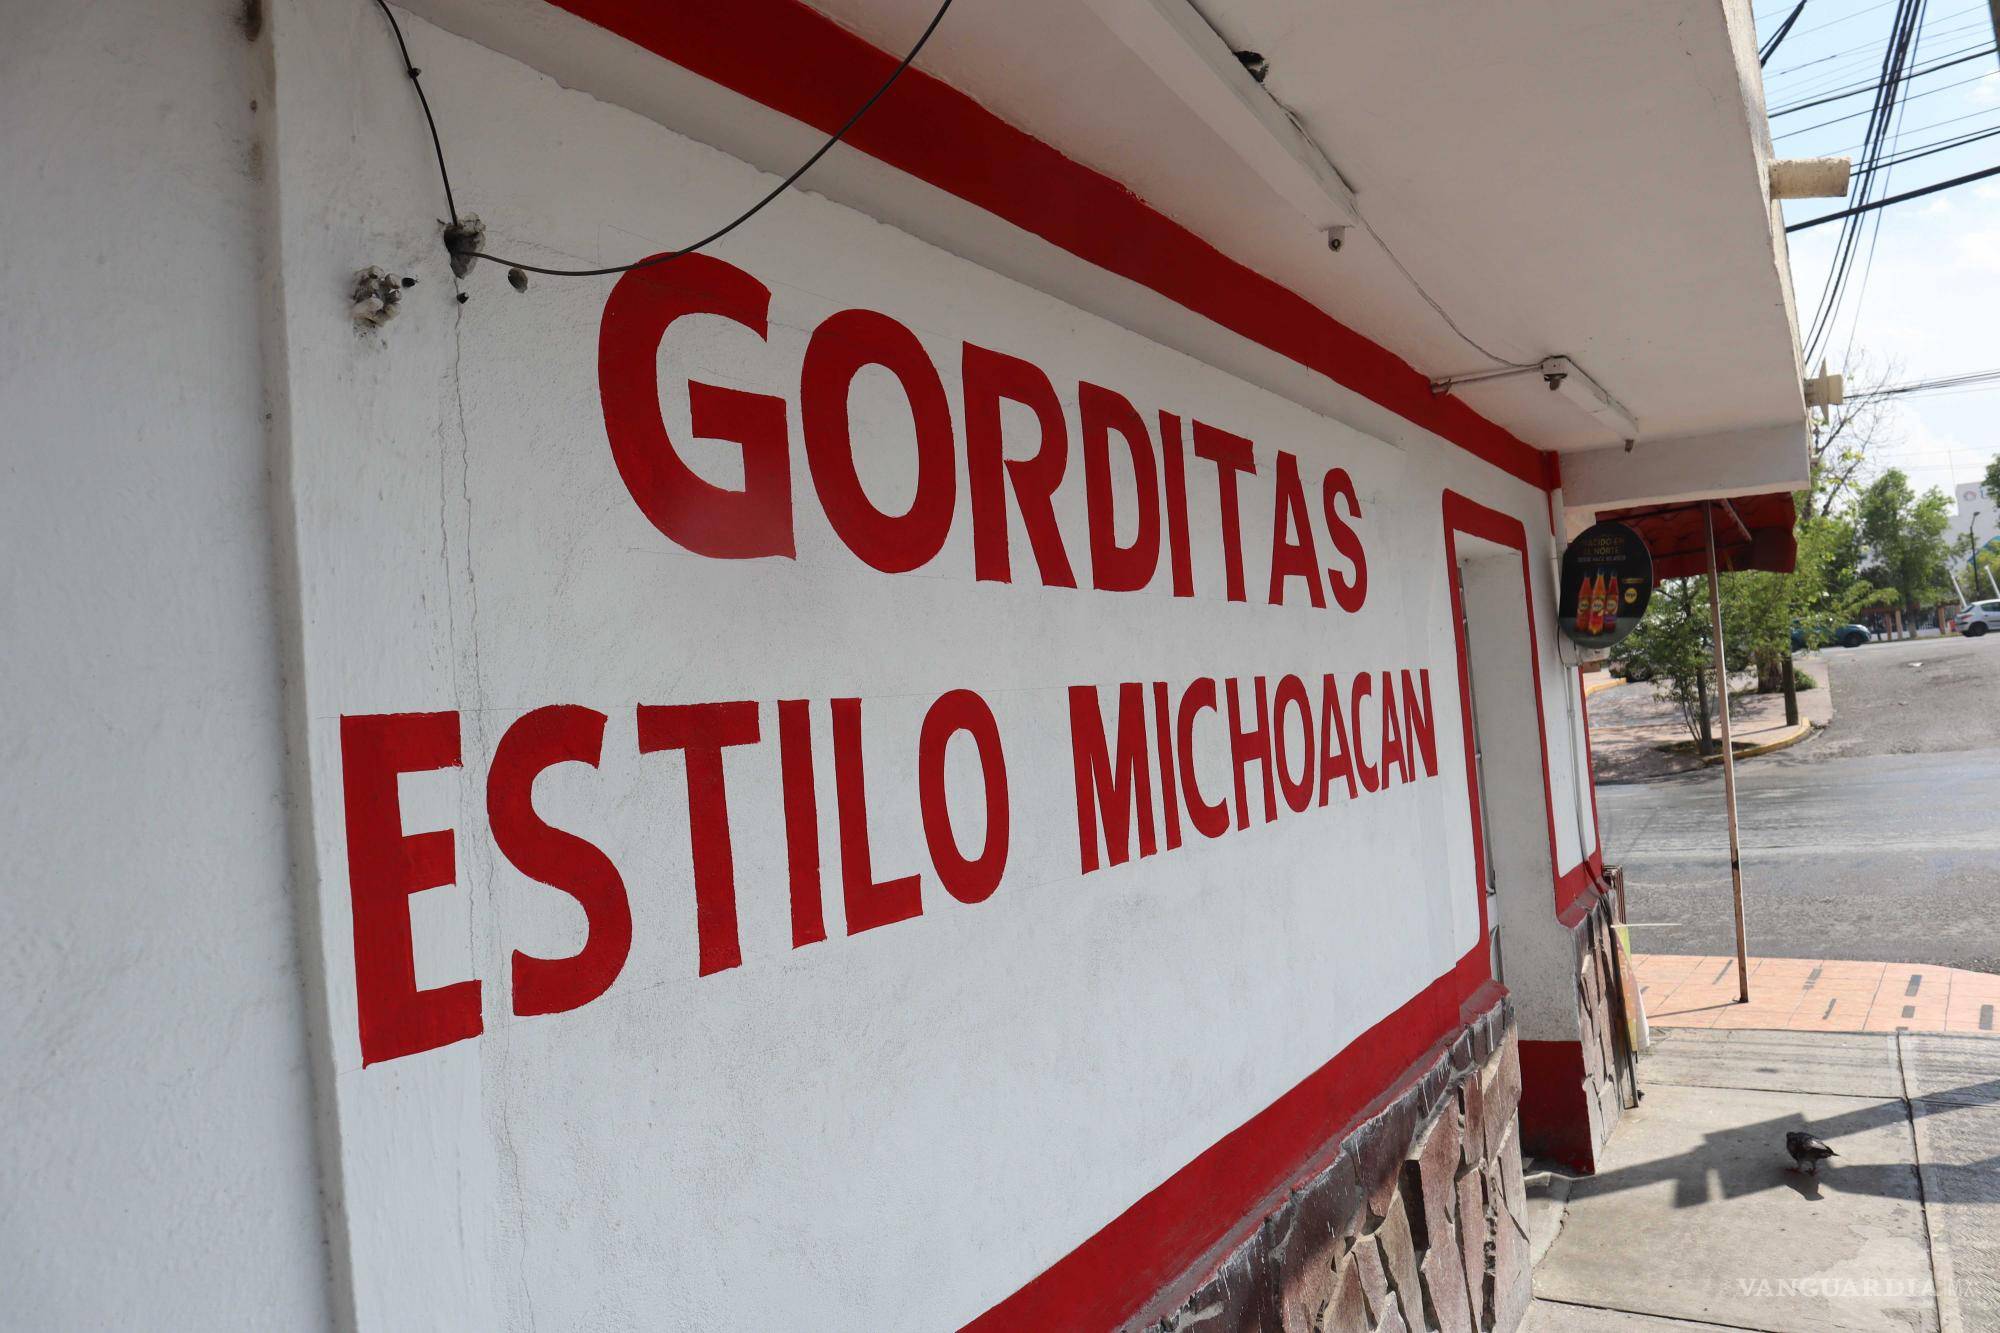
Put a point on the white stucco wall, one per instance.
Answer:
(891, 1129)
(156, 1166)
(812, 1129)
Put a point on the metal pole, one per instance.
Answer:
(1728, 756)
(1991, 583)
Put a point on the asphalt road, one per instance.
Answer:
(1877, 840)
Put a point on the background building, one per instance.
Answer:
(1977, 515)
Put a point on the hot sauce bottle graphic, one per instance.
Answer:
(1597, 606)
(1583, 606)
(1611, 591)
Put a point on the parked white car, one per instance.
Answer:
(1977, 618)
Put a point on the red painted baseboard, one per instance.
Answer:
(1555, 1121)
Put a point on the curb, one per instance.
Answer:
(1784, 742)
(1599, 686)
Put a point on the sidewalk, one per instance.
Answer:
(1695, 1221)
(1817, 995)
(1630, 725)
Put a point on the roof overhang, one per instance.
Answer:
(1587, 182)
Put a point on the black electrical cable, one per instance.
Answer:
(1904, 35)
(1852, 115)
(1917, 129)
(1904, 197)
(1778, 37)
(1979, 30)
(667, 256)
(1939, 384)
(1916, 151)
(416, 81)
(1957, 58)
(1869, 46)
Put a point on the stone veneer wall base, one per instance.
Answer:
(1420, 1222)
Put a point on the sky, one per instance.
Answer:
(1929, 302)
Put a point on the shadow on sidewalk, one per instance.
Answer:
(1697, 1214)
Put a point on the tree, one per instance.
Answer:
(1905, 535)
(1843, 445)
(1991, 485)
(1671, 648)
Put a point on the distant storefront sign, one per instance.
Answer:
(1607, 579)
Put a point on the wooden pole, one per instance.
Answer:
(1728, 756)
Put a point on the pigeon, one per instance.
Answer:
(1807, 1152)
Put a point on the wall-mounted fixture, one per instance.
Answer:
(1810, 177)
(1193, 61)
(1824, 390)
(1563, 377)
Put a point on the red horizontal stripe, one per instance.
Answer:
(1109, 1278)
(795, 60)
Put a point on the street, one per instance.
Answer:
(1878, 839)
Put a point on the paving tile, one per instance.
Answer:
(1817, 995)
(1694, 1214)
(1835, 973)
(1953, 1069)
(1775, 1061)
(1957, 1142)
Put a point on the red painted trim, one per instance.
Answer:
(1555, 1121)
(1476, 520)
(789, 57)
(1110, 1277)
(1590, 773)
(793, 59)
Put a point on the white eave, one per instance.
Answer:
(1565, 179)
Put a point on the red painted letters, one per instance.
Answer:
(840, 347)
(384, 867)
(703, 731)
(989, 378)
(758, 520)
(705, 518)
(969, 881)
(560, 733)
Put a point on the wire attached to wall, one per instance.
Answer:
(459, 234)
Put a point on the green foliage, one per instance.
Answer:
(1992, 481)
(1671, 648)
(1905, 533)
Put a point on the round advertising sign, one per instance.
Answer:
(1607, 579)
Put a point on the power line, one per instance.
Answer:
(1778, 37)
(1918, 129)
(1925, 150)
(445, 175)
(1904, 197)
(1959, 58)
(1875, 234)
(1871, 46)
(1846, 18)
(1903, 36)
(1848, 71)
(1966, 379)
(1933, 92)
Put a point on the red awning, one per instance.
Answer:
(1751, 532)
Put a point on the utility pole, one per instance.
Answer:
(1728, 753)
